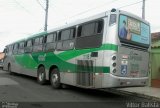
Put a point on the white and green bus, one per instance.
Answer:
(110, 49)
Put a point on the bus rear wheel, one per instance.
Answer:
(55, 78)
(41, 76)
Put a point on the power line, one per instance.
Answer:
(105, 4)
(26, 10)
(40, 4)
(93, 8)
(83, 12)
(46, 13)
(129, 4)
(22, 7)
(51, 4)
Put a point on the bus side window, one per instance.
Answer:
(28, 47)
(65, 34)
(59, 43)
(51, 42)
(21, 48)
(66, 39)
(89, 35)
(59, 36)
(70, 40)
(40, 40)
(38, 44)
(99, 25)
(79, 31)
(10, 49)
(36, 41)
(15, 48)
(88, 29)
(54, 37)
(49, 38)
(72, 33)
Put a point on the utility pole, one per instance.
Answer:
(46, 15)
(143, 9)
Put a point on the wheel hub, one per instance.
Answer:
(41, 76)
(54, 78)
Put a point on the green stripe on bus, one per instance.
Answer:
(26, 60)
(30, 62)
(67, 55)
(106, 69)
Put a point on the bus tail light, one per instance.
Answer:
(114, 64)
(114, 71)
(113, 58)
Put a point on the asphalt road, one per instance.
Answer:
(24, 91)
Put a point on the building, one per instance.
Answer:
(1, 55)
(155, 60)
(155, 36)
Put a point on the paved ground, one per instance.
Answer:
(145, 92)
(24, 91)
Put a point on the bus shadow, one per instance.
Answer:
(92, 93)
(26, 77)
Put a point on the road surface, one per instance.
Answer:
(23, 91)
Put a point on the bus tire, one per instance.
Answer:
(55, 78)
(41, 75)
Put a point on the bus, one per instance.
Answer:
(110, 49)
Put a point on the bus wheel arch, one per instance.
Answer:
(41, 74)
(9, 68)
(54, 77)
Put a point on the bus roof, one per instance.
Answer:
(81, 21)
(18, 41)
(24, 39)
(133, 16)
(37, 34)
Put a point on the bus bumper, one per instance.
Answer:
(115, 81)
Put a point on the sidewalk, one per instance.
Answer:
(145, 92)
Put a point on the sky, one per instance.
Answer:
(21, 18)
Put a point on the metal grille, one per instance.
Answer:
(85, 72)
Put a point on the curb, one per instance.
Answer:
(125, 92)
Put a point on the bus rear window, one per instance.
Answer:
(133, 31)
